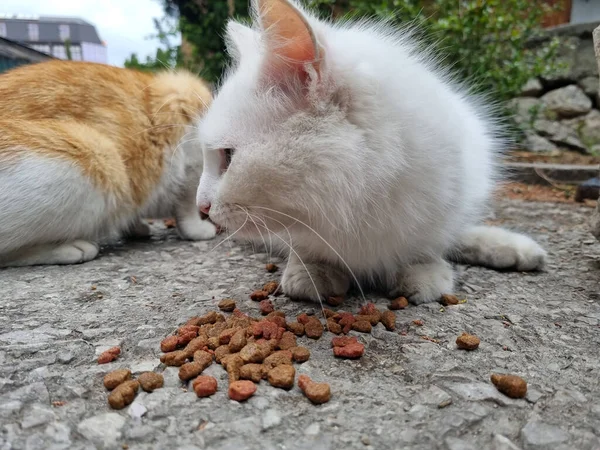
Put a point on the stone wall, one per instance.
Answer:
(562, 111)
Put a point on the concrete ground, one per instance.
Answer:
(406, 392)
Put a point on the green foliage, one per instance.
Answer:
(484, 41)
(167, 56)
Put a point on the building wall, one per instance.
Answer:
(584, 11)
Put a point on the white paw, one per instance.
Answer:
(315, 282)
(424, 283)
(74, 252)
(195, 229)
(501, 249)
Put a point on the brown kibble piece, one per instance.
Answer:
(373, 319)
(368, 309)
(169, 344)
(170, 223)
(123, 394)
(335, 301)
(109, 355)
(221, 352)
(271, 268)
(115, 378)
(213, 342)
(233, 364)
(271, 287)
(304, 318)
(226, 335)
(342, 341)
(188, 328)
(300, 354)
(254, 353)
(186, 338)
(149, 381)
(278, 320)
(227, 305)
(398, 303)
(314, 328)
(334, 327)
(388, 319)
(204, 385)
(346, 321)
(329, 313)
(418, 322)
(259, 295)
(467, 342)
(238, 341)
(296, 327)
(198, 343)
(204, 358)
(253, 372)
(282, 376)
(287, 341)
(266, 307)
(176, 358)
(448, 299)
(512, 386)
(279, 358)
(317, 393)
(241, 390)
(211, 317)
(350, 351)
(190, 370)
(362, 326)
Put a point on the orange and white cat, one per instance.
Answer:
(87, 151)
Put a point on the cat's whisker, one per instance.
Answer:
(269, 232)
(255, 225)
(355, 278)
(230, 236)
(289, 245)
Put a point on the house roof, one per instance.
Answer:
(48, 26)
(14, 50)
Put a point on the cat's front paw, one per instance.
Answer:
(314, 282)
(424, 283)
(195, 229)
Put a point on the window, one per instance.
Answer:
(2, 29)
(42, 48)
(64, 32)
(33, 31)
(76, 53)
(59, 51)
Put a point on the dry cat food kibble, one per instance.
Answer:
(150, 381)
(512, 386)
(258, 296)
(266, 307)
(335, 301)
(282, 376)
(253, 372)
(300, 354)
(317, 393)
(467, 342)
(388, 319)
(296, 327)
(398, 303)
(362, 326)
(313, 328)
(204, 386)
(109, 355)
(169, 344)
(448, 299)
(271, 268)
(123, 394)
(176, 358)
(115, 378)
(227, 305)
(241, 390)
(347, 347)
(271, 287)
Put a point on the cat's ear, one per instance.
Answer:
(290, 40)
(239, 39)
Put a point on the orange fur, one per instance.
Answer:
(116, 124)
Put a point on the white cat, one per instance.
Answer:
(353, 148)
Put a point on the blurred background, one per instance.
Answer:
(534, 57)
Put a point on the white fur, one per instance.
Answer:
(376, 163)
(51, 213)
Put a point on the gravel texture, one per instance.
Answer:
(405, 392)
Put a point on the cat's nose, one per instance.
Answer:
(204, 208)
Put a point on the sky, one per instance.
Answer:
(122, 24)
